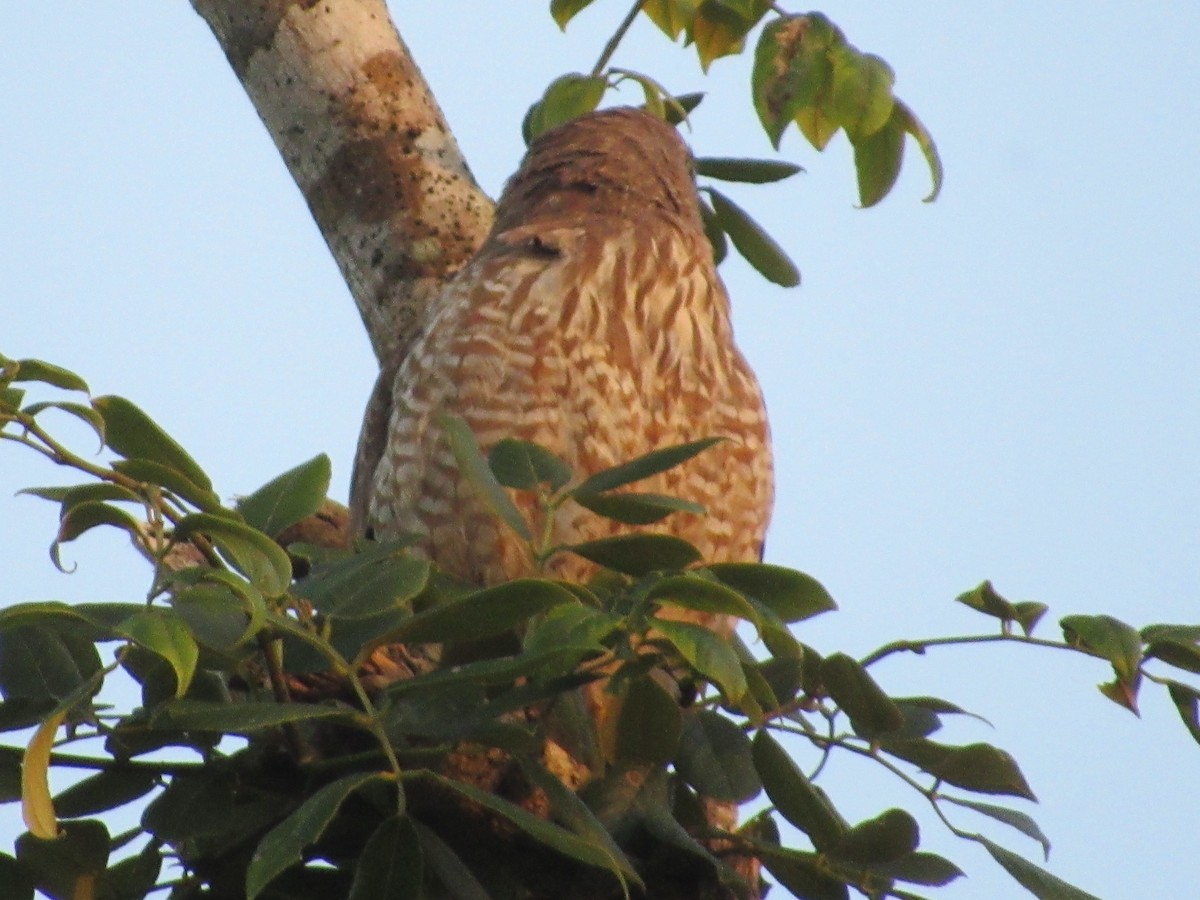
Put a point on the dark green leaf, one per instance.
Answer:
(154, 473)
(193, 804)
(708, 653)
(718, 28)
(238, 718)
(104, 791)
(648, 725)
(798, 800)
(523, 466)
(39, 663)
(385, 585)
(1187, 701)
(133, 877)
(474, 469)
(547, 833)
(254, 554)
(1029, 614)
(1011, 817)
(977, 767)
(448, 867)
(48, 373)
(15, 878)
(919, 868)
(1033, 878)
(748, 171)
(66, 867)
(758, 247)
(216, 617)
(680, 106)
(283, 845)
(134, 435)
(871, 711)
(636, 509)
(571, 626)
(714, 232)
(791, 595)
(85, 516)
(563, 11)
(643, 467)
(715, 758)
(482, 614)
(288, 498)
(638, 554)
(96, 492)
(985, 599)
(392, 865)
(804, 875)
(881, 840)
(699, 594)
(80, 411)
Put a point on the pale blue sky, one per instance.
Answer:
(1000, 385)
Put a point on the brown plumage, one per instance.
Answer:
(593, 322)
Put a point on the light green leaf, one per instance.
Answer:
(638, 554)
(693, 592)
(48, 373)
(643, 467)
(523, 466)
(708, 653)
(568, 97)
(165, 634)
(134, 435)
(474, 468)
(791, 595)
(563, 11)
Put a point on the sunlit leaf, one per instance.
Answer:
(877, 159)
(924, 140)
(37, 807)
(166, 635)
(568, 97)
(563, 11)
(671, 16)
(861, 92)
(790, 69)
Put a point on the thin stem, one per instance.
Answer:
(920, 646)
(74, 761)
(376, 728)
(613, 42)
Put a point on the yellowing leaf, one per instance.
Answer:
(37, 809)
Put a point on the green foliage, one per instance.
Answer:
(805, 74)
(348, 785)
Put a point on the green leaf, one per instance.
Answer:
(194, 803)
(747, 171)
(985, 599)
(884, 839)
(671, 16)
(1176, 645)
(551, 835)
(758, 247)
(1108, 638)
(474, 469)
(104, 791)
(448, 867)
(648, 725)
(85, 516)
(80, 411)
(48, 373)
(134, 435)
(157, 474)
(217, 617)
(1033, 878)
(166, 635)
(563, 11)
(791, 595)
(39, 662)
(919, 868)
(804, 875)
(68, 866)
(877, 159)
(871, 710)
(636, 509)
(568, 97)
(282, 846)
(254, 554)
(288, 498)
(643, 467)
(708, 653)
(1011, 817)
(15, 878)
(861, 92)
(1187, 701)
(912, 125)
(976, 767)
(238, 718)
(690, 591)
(798, 800)
(790, 69)
(679, 107)
(523, 466)
(481, 614)
(358, 589)
(571, 625)
(719, 27)
(638, 554)
(392, 864)
(714, 232)
(715, 758)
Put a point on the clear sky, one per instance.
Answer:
(1003, 384)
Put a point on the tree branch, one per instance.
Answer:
(366, 142)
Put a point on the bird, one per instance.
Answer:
(592, 321)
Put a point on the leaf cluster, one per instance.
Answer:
(403, 734)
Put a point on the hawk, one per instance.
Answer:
(593, 322)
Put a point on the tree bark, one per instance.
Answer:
(360, 131)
